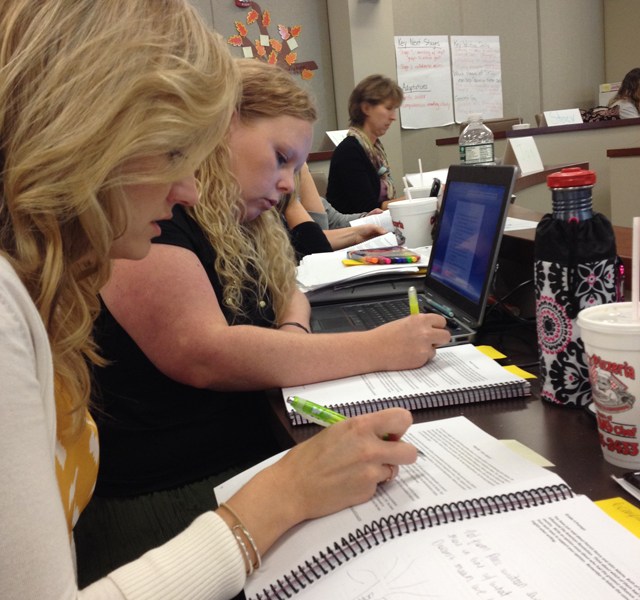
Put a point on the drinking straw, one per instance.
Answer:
(635, 269)
(421, 176)
(406, 186)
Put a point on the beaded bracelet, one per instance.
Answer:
(240, 528)
(294, 324)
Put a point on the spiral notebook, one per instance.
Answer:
(457, 375)
(470, 519)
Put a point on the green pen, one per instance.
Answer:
(321, 415)
(313, 412)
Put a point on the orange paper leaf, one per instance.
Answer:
(306, 74)
(273, 58)
(276, 45)
(252, 17)
(241, 29)
(266, 18)
(295, 31)
(290, 58)
(235, 40)
(260, 49)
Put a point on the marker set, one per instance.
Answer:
(384, 256)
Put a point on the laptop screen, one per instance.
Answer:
(471, 223)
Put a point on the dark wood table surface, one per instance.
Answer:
(567, 437)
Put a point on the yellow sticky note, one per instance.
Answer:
(491, 352)
(519, 372)
(622, 511)
(528, 453)
(348, 262)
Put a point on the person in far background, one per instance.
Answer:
(628, 96)
(309, 222)
(359, 176)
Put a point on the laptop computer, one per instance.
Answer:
(461, 265)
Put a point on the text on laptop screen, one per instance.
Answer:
(463, 253)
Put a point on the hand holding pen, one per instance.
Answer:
(323, 416)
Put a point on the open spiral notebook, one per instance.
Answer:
(456, 375)
(470, 519)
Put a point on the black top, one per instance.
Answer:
(156, 433)
(308, 238)
(354, 183)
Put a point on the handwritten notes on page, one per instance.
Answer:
(477, 76)
(424, 74)
(444, 77)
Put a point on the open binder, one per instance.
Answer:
(471, 519)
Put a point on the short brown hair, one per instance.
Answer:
(374, 89)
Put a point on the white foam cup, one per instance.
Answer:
(413, 221)
(612, 343)
(414, 192)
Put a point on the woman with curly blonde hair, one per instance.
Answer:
(211, 316)
(106, 109)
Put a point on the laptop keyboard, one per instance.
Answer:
(372, 315)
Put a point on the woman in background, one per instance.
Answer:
(106, 108)
(628, 96)
(210, 318)
(359, 176)
(310, 231)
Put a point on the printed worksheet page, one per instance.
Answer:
(459, 461)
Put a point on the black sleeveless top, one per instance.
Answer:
(156, 433)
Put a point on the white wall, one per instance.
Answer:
(552, 52)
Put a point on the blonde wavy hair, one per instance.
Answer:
(255, 259)
(85, 87)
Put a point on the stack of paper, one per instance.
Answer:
(322, 270)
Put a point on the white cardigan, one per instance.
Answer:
(36, 557)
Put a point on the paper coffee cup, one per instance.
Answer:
(612, 343)
(413, 221)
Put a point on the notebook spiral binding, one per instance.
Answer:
(387, 528)
(500, 391)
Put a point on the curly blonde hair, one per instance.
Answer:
(85, 87)
(255, 259)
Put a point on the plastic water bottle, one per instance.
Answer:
(476, 143)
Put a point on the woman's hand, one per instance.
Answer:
(410, 342)
(367, 231)
(339, 467)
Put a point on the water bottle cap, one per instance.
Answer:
(571, 177)
(474, 117)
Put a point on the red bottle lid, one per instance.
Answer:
(571, 177)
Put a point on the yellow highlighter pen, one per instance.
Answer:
(414, 307)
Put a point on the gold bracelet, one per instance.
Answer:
(294, 324)
(248, 565)
(239, 527)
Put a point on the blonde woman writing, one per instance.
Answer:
(210, 318)
(106, 109)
